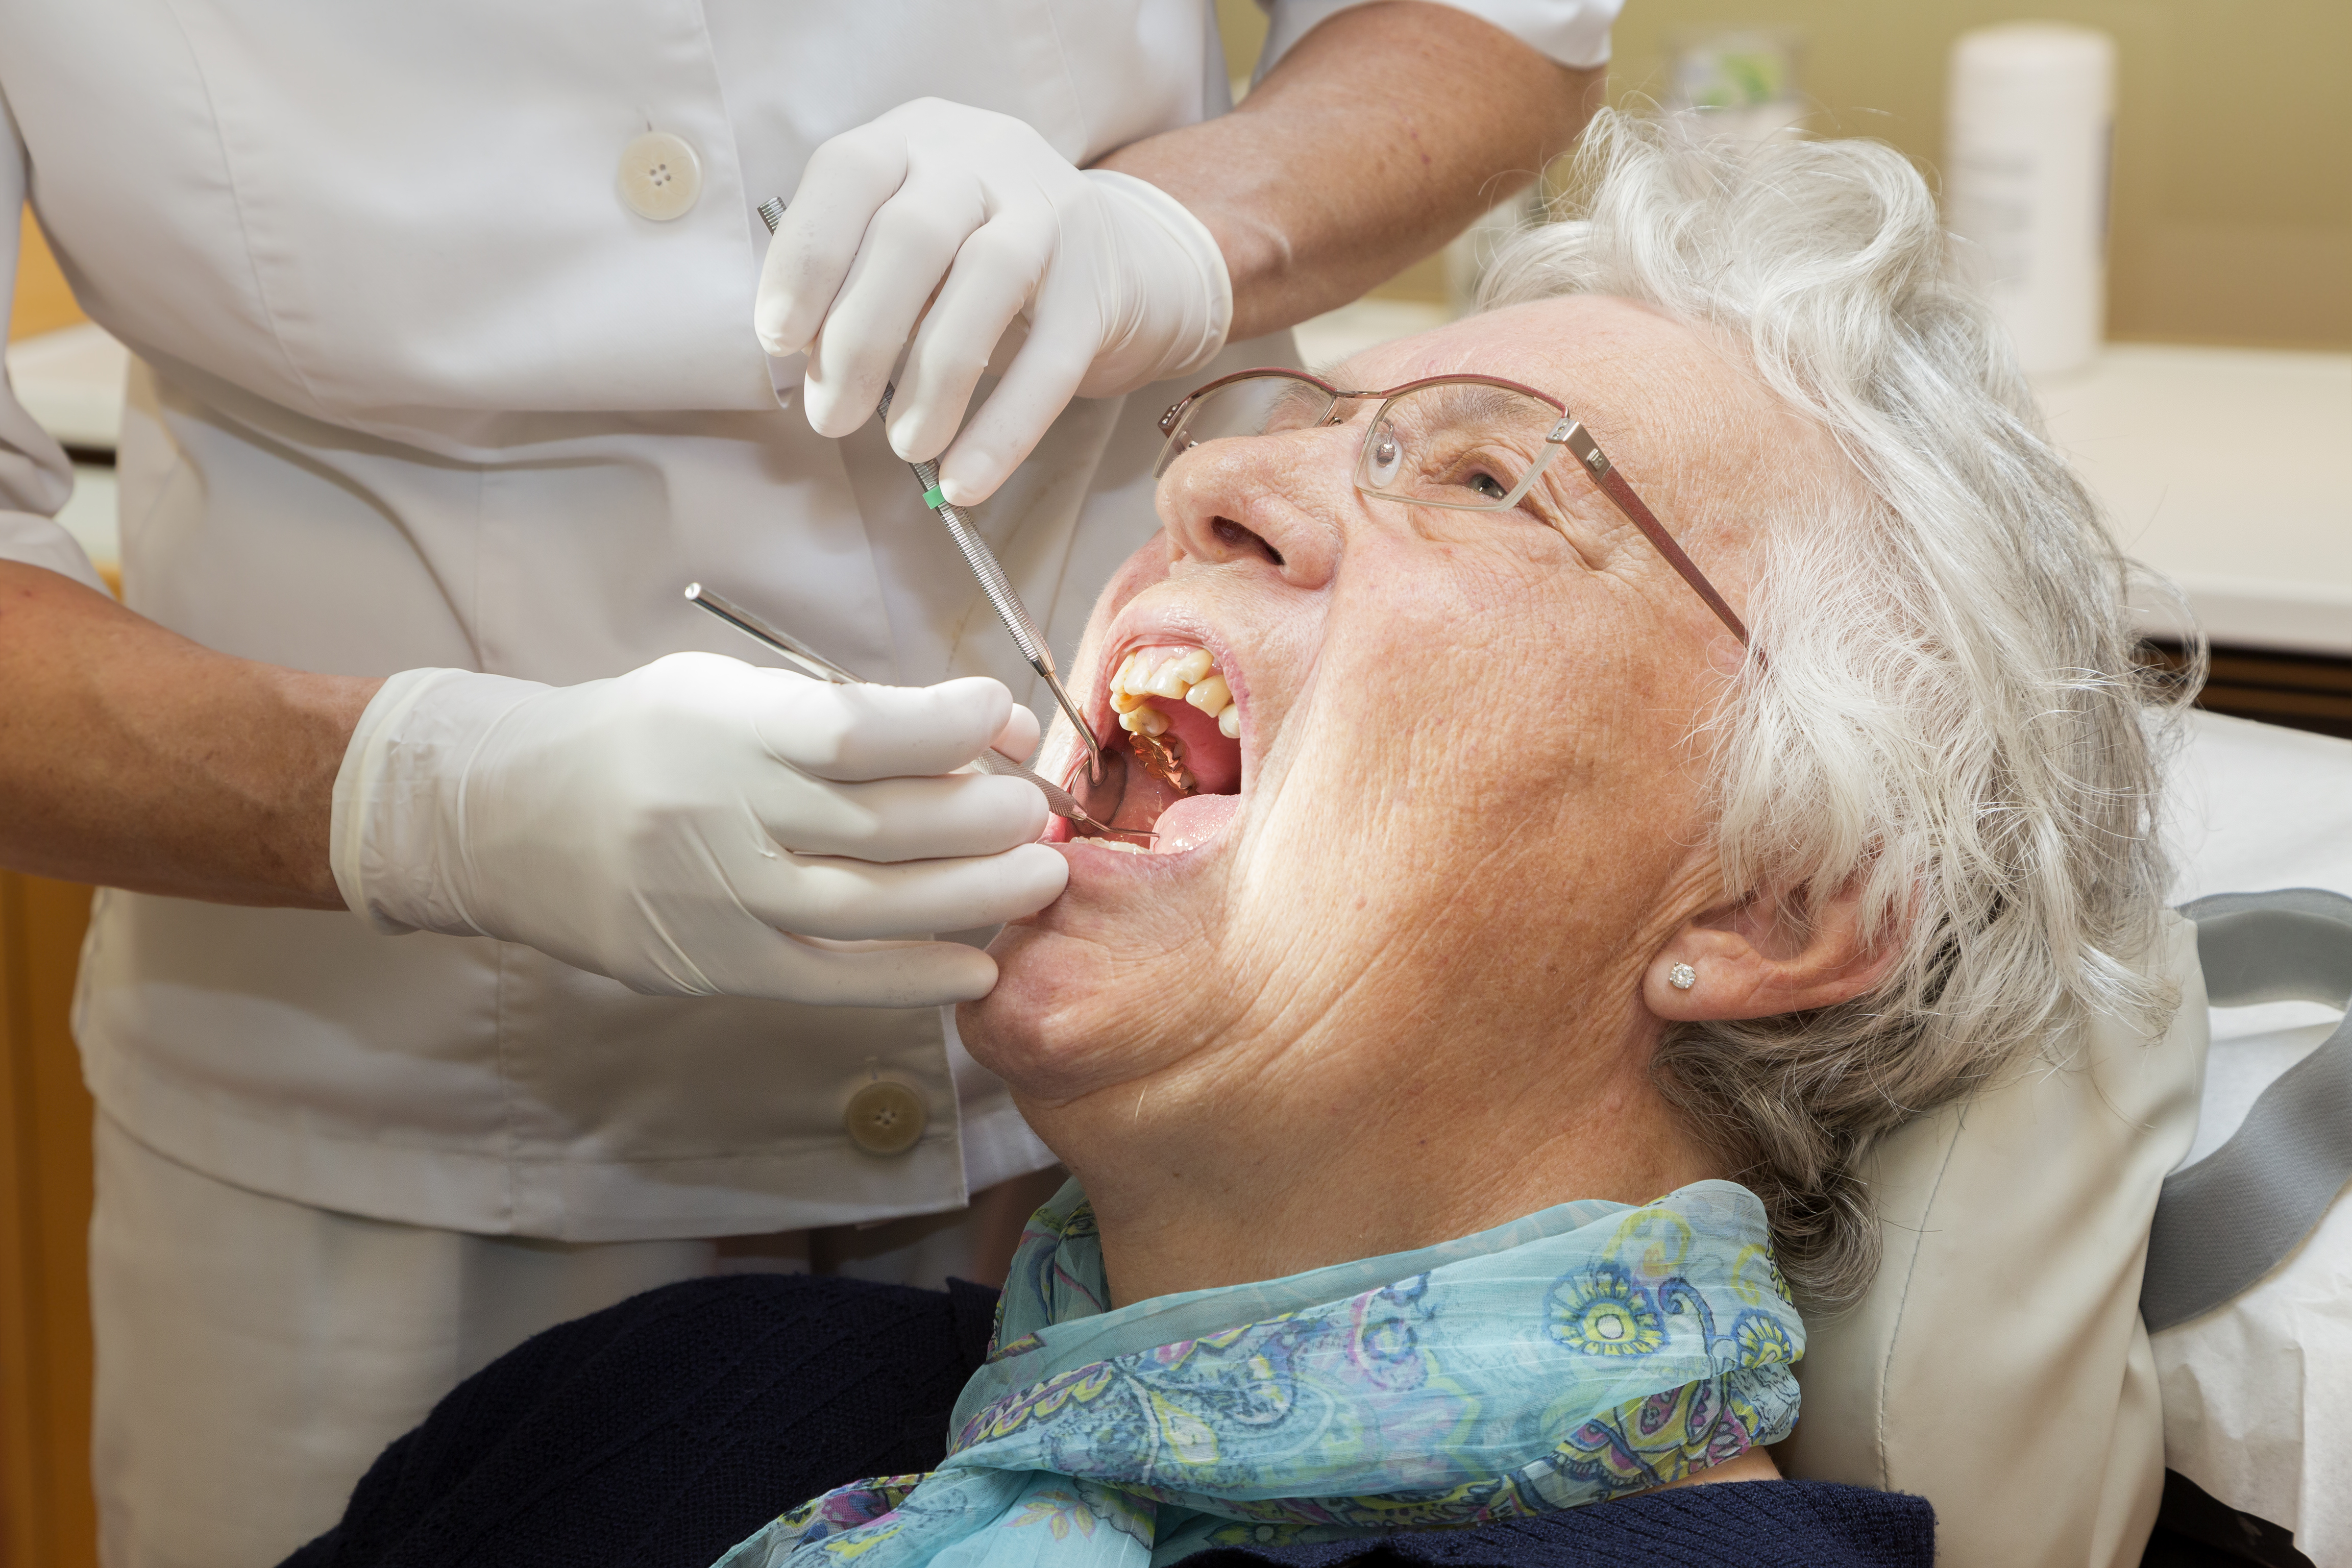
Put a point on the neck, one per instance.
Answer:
(1196, 1185)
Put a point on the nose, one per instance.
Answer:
(1278, 503)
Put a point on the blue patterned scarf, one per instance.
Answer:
(1583, 1352)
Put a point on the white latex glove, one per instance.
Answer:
(698, 827)
(1118, 283)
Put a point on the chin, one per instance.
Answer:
(1093, 990)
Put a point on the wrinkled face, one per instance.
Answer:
(1446, 784)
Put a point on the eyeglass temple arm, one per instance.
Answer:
(1596, 462)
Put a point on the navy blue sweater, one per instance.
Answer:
(659, 1432)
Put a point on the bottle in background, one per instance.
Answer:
(2028, 135)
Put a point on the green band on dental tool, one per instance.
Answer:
(935, 497)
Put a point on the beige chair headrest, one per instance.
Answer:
(1997, 1366)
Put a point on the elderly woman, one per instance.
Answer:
(1580, 776)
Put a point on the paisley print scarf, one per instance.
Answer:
(1582, 1352)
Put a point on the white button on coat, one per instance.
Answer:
(661, 178)
(885, 1117)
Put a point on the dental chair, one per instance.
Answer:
(2091, 1308)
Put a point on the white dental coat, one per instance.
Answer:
(416, 386)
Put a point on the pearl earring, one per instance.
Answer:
(1682, 977)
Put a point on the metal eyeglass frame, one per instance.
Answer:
(1567, 433)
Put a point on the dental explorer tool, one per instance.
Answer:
(981, 559)
(1061, 801)
(760, 629)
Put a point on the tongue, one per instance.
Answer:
(1193, 821)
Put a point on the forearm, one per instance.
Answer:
(133, 758)
(1376, 140)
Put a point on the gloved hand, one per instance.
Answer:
(1118, 284)
(698, 827)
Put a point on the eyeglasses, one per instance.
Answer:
(1467, 442)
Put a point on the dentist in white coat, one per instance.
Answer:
(476, 943)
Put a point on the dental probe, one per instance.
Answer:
(1061, 801)
(984, 563)
(758, 629)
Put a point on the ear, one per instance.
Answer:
(1754, 958)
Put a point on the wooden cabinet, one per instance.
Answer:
(47, 1519)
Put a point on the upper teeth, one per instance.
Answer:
(1186, 672)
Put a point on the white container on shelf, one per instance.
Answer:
(2028, 140)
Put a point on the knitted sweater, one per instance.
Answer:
(660, 1432)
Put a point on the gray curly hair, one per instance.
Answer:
(1948, 711)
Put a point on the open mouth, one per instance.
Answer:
(1172, 763)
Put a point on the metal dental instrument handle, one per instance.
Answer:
(811, 661)
(984, 565)
(1061, 801)
(999, 589)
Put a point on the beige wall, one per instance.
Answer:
(2234, 144)
(2232, 218)
(43, 302)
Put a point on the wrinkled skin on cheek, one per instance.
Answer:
(1475, 737)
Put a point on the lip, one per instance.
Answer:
(1141, 626)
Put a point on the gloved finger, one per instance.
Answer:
(844, 184)
(789, 968)
(908, 249)
(904, 974)
(850, 899)
(1037, 386)
(855, 732)
(1018, 739)
(995, 275)
(907, 818)
(1008, 347)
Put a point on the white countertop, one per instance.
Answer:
(2228, 470)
